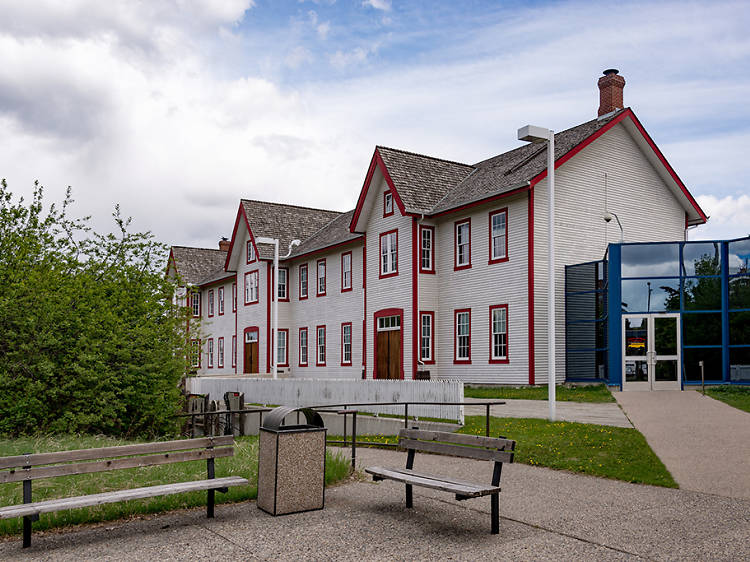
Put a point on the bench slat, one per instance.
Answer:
(116, 451)
(460, 438)
(101, 466)
(468, 489)
(48, 506)
(457, 450)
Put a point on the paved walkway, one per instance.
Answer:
(545, 515)
(607, 413)
(704, 443)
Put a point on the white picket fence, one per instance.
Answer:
(321, 392)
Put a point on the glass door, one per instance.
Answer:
(651, 351)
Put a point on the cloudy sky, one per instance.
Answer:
(176, 109)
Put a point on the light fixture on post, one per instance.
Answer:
(531, 133)
(275, 297)
(608, 217)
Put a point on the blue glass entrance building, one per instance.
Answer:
(660, 315)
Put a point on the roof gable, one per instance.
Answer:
(194, 265)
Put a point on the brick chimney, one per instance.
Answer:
(610, 91)
(224, 244)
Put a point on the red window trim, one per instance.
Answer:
(220, 300)
(257, 272)
(325, 346)
(299, 348)
(351, 272)
(220, 353)
(507, 336)
(504, 210)
(432, 248)
(456, 224)
(255, 252)
(210, 353)
(287, 286)
(200, 353)
(234, 352)
(211, 303)
(431, 314)
(382, 275)
(456, 360)
(286, 359)
(386, 193)
(325, 278)
(351, 344)
(307, 281)
(234, 297)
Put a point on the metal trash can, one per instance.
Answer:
(291, 463)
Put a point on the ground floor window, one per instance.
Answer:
(346, 343)
(499, 333)
(321, 356)
(462, 343)
(425, 336)
(282, 359)
(303, 347)
(210, 353)
(220, 353)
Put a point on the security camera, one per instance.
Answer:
(607, 217)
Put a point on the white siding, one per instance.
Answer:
(216, 327)
(635, 192)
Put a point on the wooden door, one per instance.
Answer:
(251, 357)
(389, 355)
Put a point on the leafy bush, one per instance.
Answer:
(89, 339)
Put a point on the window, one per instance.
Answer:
(250, 251)
(463, 245)
(282, 358)
(303, 347)
(499, 236)
(462, 342)
(220, 353)
(346, 343)
(426, 236)
(234, 351)
(321, 355)
(221, 301)
(195, 303)
(499, 333)
(346, 271)
(303, 281)
(234, 297)
(251, 287)
(426, 341)
(210, 303)
(386, 323)
(389, 254)
(321, 288)
(283, 277)
(210, 353)
(195, 353)
(387, 204)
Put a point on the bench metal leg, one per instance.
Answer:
(210, 500)
(26, 531)
(409, 501)
(495, 515)
(409, 466)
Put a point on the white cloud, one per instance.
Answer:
(323, 29)
(729, 217)
(384, 5)
(297, 57)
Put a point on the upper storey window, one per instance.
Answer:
(463, 244)
(499, 236)
(389, 253)
(195, 302)
(387, 204)
(426, 261)
(321, 288)
(346, 271)
(250, 251)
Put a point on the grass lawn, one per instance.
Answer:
(244, 463)
(737, 396)
(584, 393)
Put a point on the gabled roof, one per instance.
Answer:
(194, 265)
(334, 233)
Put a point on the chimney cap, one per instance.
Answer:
(611, 71)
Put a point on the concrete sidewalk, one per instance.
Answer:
(603, 413)
(545, 515)
(703, 442)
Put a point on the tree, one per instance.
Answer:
(89, 339)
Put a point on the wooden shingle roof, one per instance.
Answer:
(195, 265)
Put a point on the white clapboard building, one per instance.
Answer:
(442, 265)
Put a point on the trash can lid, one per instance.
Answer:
(275, 417)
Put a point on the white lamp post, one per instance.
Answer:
(536, 135)
(608, 217)
(275, 297)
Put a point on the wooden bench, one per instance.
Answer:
(29, 467)
(498, 450)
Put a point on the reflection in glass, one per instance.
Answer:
(701, 258)
(739, 256)
(636, 371)
(739, 328)
(739, 356)
(712, 360)
(665, 370)
(651, 295)
(651, 260)
(636, 336)
(702, 293)
(739, 292)
(665, 336)
(701, 329)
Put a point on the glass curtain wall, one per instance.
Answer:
(738, 273)
(586, 321)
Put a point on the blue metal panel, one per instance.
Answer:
(614, 313)
(725, 310)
